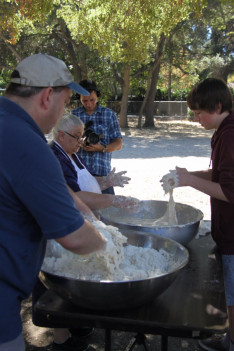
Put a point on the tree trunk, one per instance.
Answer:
(149, 109)
(169, 86)
(123, 121)
(65, 41)
(145, 99)
(169, 82)
(169, 69)
(82, 66)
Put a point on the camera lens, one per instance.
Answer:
(93, 138)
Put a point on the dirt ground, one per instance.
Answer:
(147, 154)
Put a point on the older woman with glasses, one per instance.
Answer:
(67, 139)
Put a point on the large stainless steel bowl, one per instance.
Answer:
(189, 219)
(122, 294)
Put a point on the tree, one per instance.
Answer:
(121, 39)
(126, 31)
(34, 27)
(219, 60)
(197, 48)
(16, 18)
(208, 41)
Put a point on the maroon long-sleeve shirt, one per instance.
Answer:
(222, 213)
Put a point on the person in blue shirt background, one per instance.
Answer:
(104, 122)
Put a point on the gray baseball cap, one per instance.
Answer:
(41, 70)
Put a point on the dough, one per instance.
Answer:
(169, 218)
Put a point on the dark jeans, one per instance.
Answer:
(109, 191)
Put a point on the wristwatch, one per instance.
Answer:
(104, 149)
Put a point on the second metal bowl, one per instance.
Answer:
(189, 219)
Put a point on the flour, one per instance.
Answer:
(119, 262)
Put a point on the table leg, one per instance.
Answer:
(164, 342)
(107, 340)
(140, 339)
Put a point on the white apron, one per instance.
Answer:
(86, 181)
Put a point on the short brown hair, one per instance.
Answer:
(21, 90)
(25, 91)
(209, 94)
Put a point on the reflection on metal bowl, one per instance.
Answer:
(189, 219)
(110, 296)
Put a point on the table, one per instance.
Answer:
(183, 310)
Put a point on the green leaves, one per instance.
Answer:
(121, 30)
(125, 30)
(15, 15)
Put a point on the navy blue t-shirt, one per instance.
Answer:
(35, 205)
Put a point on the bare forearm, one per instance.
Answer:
(102, 182)
(115, 145)
(200, 181)
(81, 205)
(84, 240)
(98, 201)
(208, 187)
(95, 201)
(203, 174)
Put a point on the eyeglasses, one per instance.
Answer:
(73, 136)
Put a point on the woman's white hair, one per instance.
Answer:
(66, 123)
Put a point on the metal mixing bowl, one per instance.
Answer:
(189, 219)
(122, 294)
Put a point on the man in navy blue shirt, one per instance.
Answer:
(33, 193)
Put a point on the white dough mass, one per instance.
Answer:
(119, 262)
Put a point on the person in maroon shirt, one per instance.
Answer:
(211, 102)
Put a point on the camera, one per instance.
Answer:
(89, 136)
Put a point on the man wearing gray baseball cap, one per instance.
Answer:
(41, 70)
(35, 203)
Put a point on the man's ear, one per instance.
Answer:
(46, 97)
(219, 109)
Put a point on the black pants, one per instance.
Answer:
(109, 191)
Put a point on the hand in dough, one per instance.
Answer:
(169, 181)
(127, 202)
